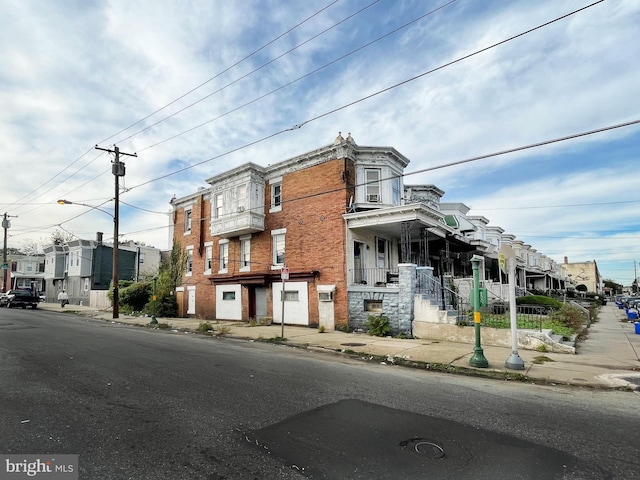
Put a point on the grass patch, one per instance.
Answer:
(204, 327)
(540, 359)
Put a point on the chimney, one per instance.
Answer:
(99, 238)
(566, 260)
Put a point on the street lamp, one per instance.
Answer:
(116, 309)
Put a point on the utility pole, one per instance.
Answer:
(118, 170)
(5, 266)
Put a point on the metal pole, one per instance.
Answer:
(154, 321)
(514, 361)
(282, 324)
(5, 225)
(478, 359)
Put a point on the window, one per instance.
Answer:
(372, 185)
(373, 306)
(224, 256)
(276, 195)
(245, 253)
(219, 206)
(189, 268)
(395, 190)
(86, 284)
(141, 257)
(290, 296)
(382, 253)
(187, 221)
(228, 295)
(208, 258)
(278, 246)
(242, 198)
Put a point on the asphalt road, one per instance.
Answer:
(141, 404)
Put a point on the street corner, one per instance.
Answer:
(626, 380)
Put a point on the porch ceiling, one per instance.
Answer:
(389, 220)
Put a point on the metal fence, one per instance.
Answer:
(446, 298)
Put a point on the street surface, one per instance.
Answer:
(140, 404)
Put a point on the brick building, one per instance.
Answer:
(342, 222)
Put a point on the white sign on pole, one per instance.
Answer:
(284, 274)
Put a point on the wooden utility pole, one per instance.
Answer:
(5, 265)
(118, 170)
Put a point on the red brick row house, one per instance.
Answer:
(342, 222)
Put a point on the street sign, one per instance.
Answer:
(284, 273)
(4, 266)
(505, 253)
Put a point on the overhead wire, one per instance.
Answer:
(164, 107)
(248, 74)
(368, 97)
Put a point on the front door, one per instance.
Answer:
(257, 302)
(191, 300)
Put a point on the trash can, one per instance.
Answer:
(637, 324)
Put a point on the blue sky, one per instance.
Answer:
(77, 74)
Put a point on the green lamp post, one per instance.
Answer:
(154, 321)
(478, 359)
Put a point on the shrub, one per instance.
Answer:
(204, 327)
(539, 300)
(135, 296)
(378, 325)
(571, 316)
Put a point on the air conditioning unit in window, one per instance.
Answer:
(373, 198)
(240, 209)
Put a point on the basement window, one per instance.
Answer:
(373, 306)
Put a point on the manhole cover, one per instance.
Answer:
(353, 344)
(424, 447)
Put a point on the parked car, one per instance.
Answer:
(22, 298)
(43, 297)
(4, 299)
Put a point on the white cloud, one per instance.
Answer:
(75, 75)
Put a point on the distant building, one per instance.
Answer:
(585, 276)
(82, 266)
(26, 272)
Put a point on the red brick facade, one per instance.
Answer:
(314, 198)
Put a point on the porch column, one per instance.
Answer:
(405, 242)
(407, 283)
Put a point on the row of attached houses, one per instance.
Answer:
(24, 272)
(84, 268)
(322, 238)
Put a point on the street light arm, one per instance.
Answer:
(69, 202)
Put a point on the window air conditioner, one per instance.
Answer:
(240, 209)
(373, 198)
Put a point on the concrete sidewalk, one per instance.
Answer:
(609, 357)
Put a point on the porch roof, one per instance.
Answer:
(390, 219)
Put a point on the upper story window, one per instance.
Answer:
(189, 266)
(276, 195)
(245, 254)
(187, 221)
(219, 206)
(372, 185)
(395, 190)
(242, 198)
(224, 256)
(208, 257)
(278, 246)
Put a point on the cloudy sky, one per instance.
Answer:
(196, 87)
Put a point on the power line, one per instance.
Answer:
(162, 108)
(223, 71)
(308, 74)
(248, 74)
(379, 92)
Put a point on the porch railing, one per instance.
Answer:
(373, 277)
(448, 300)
